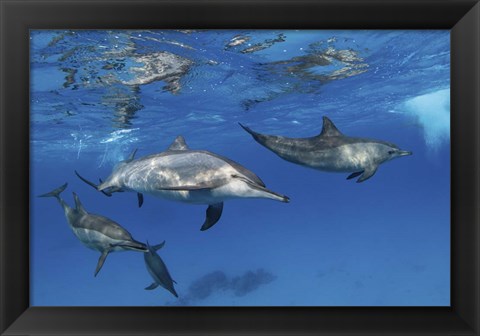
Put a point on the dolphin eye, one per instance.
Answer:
(391, 152)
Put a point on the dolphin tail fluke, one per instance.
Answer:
(214, 212)
(101, 261)
(93, 185)
(158, 246)
(257, 136)
(248, 129)
(56, 192)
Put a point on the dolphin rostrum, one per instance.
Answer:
(184, 175)
(158, 270)
(94, 231)
(332, 151)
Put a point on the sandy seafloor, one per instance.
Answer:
(97, 95)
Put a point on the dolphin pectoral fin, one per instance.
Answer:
(214, 212)
(140, 199)
(367, 173)
(353, 175)
(101, 261)
(158, 246)
(152, 286)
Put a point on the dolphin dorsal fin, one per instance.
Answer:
(78, 205)
(329, 129)
(178, 144)
(132, 156)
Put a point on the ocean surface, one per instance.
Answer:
(98, 95)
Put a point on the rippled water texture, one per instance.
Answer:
(98, 95)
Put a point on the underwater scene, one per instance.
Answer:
(240, 167)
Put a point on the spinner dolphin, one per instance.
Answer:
(184, 175)
(332, 151)
(158, 270)
(94, 231)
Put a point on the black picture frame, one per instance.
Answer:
(18, 16)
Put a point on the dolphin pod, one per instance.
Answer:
(202, 177)
(190, 176)
(332, 151)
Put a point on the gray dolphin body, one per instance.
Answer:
(332, 151)
(158, 270)
(190, 176)
(94, 231)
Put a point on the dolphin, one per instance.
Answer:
(184, 175)
(332, 151)
(158, 270)
(94, 231)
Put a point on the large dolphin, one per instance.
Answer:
(332, 151)
(190, 176)
(158, 270)
(94, 231)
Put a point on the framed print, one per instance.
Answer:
(238, 154)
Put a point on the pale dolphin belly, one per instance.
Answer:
(236, 188)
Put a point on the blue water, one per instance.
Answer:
(97, 95)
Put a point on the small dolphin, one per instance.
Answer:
(158, 270)
(190, 176)
(94, 231)
(332, 151)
